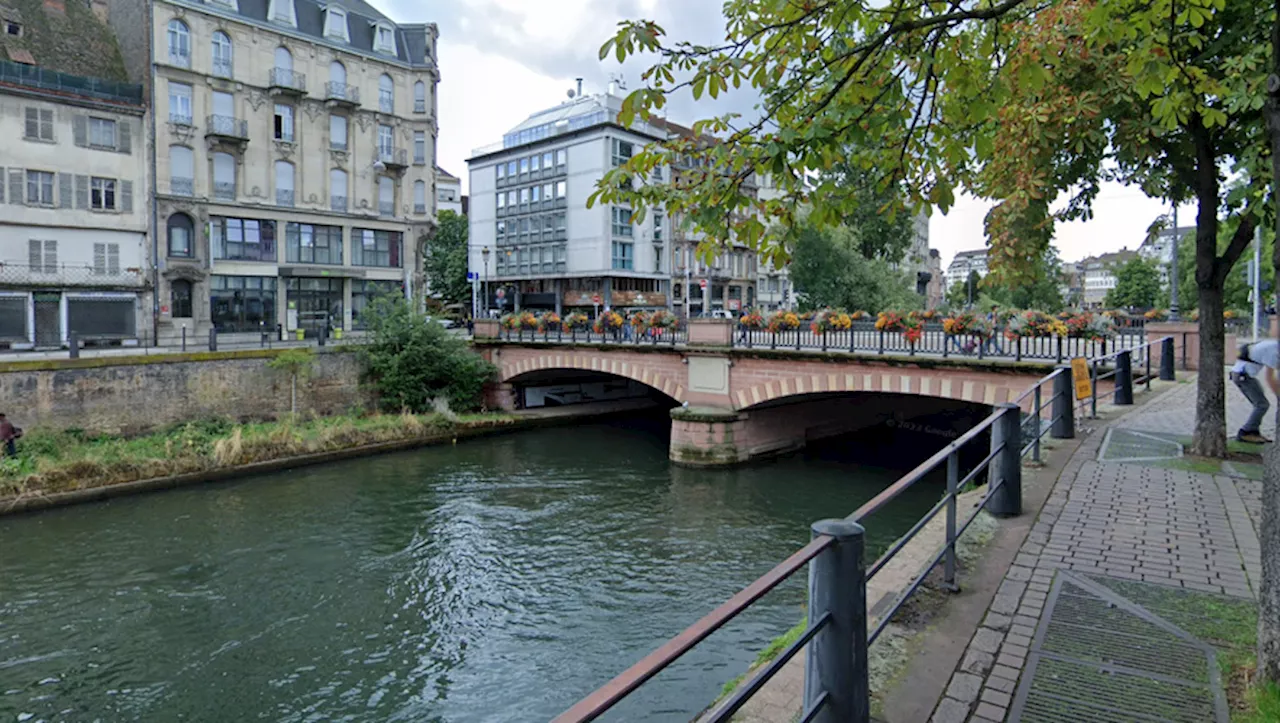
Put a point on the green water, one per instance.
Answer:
(496, 580)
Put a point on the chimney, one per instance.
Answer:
(579, 86)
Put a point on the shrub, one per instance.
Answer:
(411, 360)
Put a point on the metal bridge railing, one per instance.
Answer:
(836, 681)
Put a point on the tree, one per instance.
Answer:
(828, 270)
(1042, 292)
(445, 260)
(963, 293)
(411, 360)
(1236, 289)
(880, 225)
(297, 363)
(1137, 285)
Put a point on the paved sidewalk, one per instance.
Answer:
(1177, 528)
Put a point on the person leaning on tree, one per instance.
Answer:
(1260, 357)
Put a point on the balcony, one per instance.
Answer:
(338, 203)
(393, 158)
(62, 275)
(420, 208)
(419, 106)
(180, 119)
(182, 186)
(63, 83)
(284, 197)
(227, 128)
(224, 190)
(287, 82)
(386, 208)
(341, 94)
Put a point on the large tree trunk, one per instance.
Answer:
(1269, 534)
(1210, 438)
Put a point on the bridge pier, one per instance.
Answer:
(708, 437)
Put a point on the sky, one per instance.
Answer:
(502, 60)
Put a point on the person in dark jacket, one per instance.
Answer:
(8, 436)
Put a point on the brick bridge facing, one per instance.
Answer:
(736, 404)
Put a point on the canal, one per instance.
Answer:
(496, 580)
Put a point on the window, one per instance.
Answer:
(535, 194)
(224, 176)
(364, 292)
(181, 171)
(658, 222)
(419, 97)
(242, 303)
(318, 302)
(180, 299)
(547, 160)
(39, 126)
(548, 192)
(284, 183)
(309, 244)
(512, 198)
(419, 147)
(501, 170)
(524, 197)
(221, 54)
(656, 173)
(102, 194)
(39, 188)
(338, 189)
(386, 94)
(562, 157)
(42, 256)
(179, 44)
(335, 24)
(419, 197)
(242, 239)
(560, 189)
(337, 73)
(657, 258)
(386, 196)
(535, 163)
(375, 248)
(386, 141)
(338, 132)
(511, 169)
(179, 103)
(524, 166)
(102, 133)
(284, 123)
(502, 201)
(621, 221)
(284, 59)
(12, 28)
(384, 40)
(106, 259)
(621, 152)
(180, 228)
(623, 255)
(281, 11)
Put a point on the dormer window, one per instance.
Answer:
(335, 24)
(384, 39)
(281, 11)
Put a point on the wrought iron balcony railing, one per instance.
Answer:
(284, 197)
(224, 190)
(341, 92)
(227, 127)
(182, 186)
(56, 274)
(286, 79)
(392, 156)
(338, 203)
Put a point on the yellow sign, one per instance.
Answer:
(1080, 375)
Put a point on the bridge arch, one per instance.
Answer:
(644, 373)
(922, 382)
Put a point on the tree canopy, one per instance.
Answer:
(828, 269)
(445, 263)
(1137, 285)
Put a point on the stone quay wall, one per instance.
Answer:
(129, 395)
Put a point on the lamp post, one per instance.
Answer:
(1173, 267)
(484, 252)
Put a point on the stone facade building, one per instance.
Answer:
(295, 158)
(74, 173)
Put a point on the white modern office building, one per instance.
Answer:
(964, 263)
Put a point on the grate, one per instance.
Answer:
(1126, 445)
(1100, 657)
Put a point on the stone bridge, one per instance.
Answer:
(733, 404)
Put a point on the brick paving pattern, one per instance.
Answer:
(1127, 521)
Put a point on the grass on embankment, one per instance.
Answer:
(53, 461)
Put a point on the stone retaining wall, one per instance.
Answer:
(128, 395)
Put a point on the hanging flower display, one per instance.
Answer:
(662, 320)
(638, 319)
(548, 321)
(784, 321)
(608, 321)
(1034, 324)
(859, 315)
(890, 321)
(510, 322)
(575, 321)
(829, 320)
(1089, 326)
(966, 322)
(752, 320)
(1156, 315)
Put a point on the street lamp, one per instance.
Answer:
(484, 287)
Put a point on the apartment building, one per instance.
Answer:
(1159, 248)
(1100, 275)
(965, 262)
(532, 237)
(449, 193)
(295, 147)
(74, 217)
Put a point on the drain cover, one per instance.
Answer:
(1100, 657)
(1126, 445)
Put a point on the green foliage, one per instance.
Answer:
(962, 292)
(879, 225)
(296, 362)
(411, 360)
(1137, 285)
(445, 260)
(1235, 292)
(829, 271)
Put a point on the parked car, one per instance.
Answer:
(443, 321)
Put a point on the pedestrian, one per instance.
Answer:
(994, 340)
(9, 436)
(1260, 357)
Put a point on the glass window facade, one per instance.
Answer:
(376, 248)
(317, 301)
(312, 244)
(242, 239)
(364, 292)
(242, 303)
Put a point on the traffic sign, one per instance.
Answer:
(500, 293)
(703, 284)
(595, 299)
(473, 276)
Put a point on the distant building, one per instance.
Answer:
(1100, 276)
(964, 263)
(75, 254)
(449, 193)
(936, 289)
(1159, 248)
